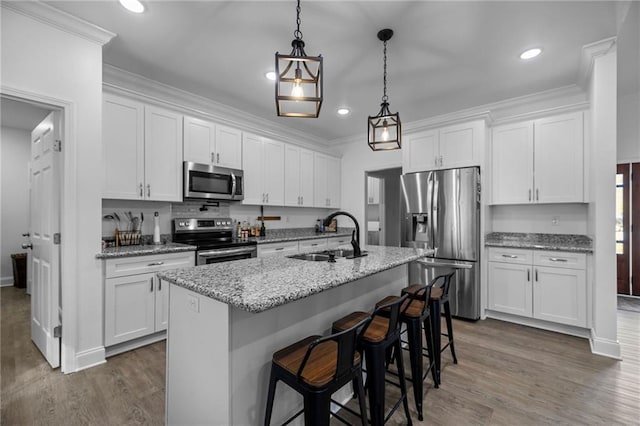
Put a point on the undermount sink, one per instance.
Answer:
(324, 256)
(315, 257)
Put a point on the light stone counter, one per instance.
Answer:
(558, 242)
(143, 250)
(296, 234)
(258, 284)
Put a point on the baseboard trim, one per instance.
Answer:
(134, 344)
(6, 281)
(604, 347)
(90, 358)
(545, 325)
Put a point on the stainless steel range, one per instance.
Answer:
(214, 238)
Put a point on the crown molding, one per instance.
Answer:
(125, 83)
(496, 112)
(61, 20)
(589, 54)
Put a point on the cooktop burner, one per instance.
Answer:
(207, 233)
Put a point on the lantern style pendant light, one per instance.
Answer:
(298, 80)
(385, 128)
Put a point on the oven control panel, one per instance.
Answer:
(202, 224)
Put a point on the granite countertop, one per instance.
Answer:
(143, 250)
(559, 242)
(295, 234)
(259, 284)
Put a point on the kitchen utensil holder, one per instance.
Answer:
(127, 238)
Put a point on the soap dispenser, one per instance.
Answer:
(156, 228)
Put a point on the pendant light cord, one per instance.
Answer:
(297, 33)
(384, 96)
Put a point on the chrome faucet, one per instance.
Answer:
(355, 235)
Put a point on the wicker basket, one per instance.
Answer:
(127, 238)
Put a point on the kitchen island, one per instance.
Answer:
(226, 320)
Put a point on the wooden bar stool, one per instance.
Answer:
(382, 334)
(316, 367)
(439, 302)
(415, 313)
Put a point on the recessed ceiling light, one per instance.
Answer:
(271, 76)
(343, 111)
(134, 6)
(530, 54)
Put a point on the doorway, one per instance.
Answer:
(628, 238)
(383, 207)
(20, 199)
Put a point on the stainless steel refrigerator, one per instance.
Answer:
(442, 212)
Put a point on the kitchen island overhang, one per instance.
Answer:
(226, 320)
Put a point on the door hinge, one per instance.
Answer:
(56, 238)
(57, 331)
(57, 145)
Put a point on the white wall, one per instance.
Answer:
(147, 208)
(628, 149)
(48, 62)
(290, 217)
(14, 153)
(357, 158)
(571, 218)
(601, 210)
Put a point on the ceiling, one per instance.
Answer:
(21, 115)
(445, 56)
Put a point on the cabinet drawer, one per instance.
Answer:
(560, 259)
(335, 242)
(277, 249)
(152, 263)
(506, 255)
(312, 245)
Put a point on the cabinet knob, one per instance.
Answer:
(141, 193)
(148, 190)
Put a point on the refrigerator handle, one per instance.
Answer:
(434, 211)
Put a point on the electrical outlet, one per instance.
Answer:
(193, 303)
(555, 221)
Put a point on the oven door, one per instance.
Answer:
(218, 183)
(206, 257)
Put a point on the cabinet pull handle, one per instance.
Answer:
(536, 275)
(279, 248)
(441, 161)
(151, 279)
(218, 158)
(529, 194)
(557, 259)
(141, 193)
(435, 160)
(213, 160)
(263, 197)
(313, 245)
(159, 285)
(510, 256)
(267, 197)
(148, 190)
(155, 264)
(528, 274)
(537, 195)
(301, 200)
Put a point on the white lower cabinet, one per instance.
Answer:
(278, 249)
(545, 285)
(135, 301)
(286, 248)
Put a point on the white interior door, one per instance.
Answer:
(44, 224)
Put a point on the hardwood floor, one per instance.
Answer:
(506, 375)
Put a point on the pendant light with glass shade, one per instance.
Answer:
(299, 80)
(384, 129)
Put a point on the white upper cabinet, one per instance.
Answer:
(163, 154)
(559, 159)
(327, 181)
(263, 164)
(209, 143)
(142, 151)
(512, 163)
(122, 148)
(448, 147)
(539, 161)
(298, 177)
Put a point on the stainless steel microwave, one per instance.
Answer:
(212, 182)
